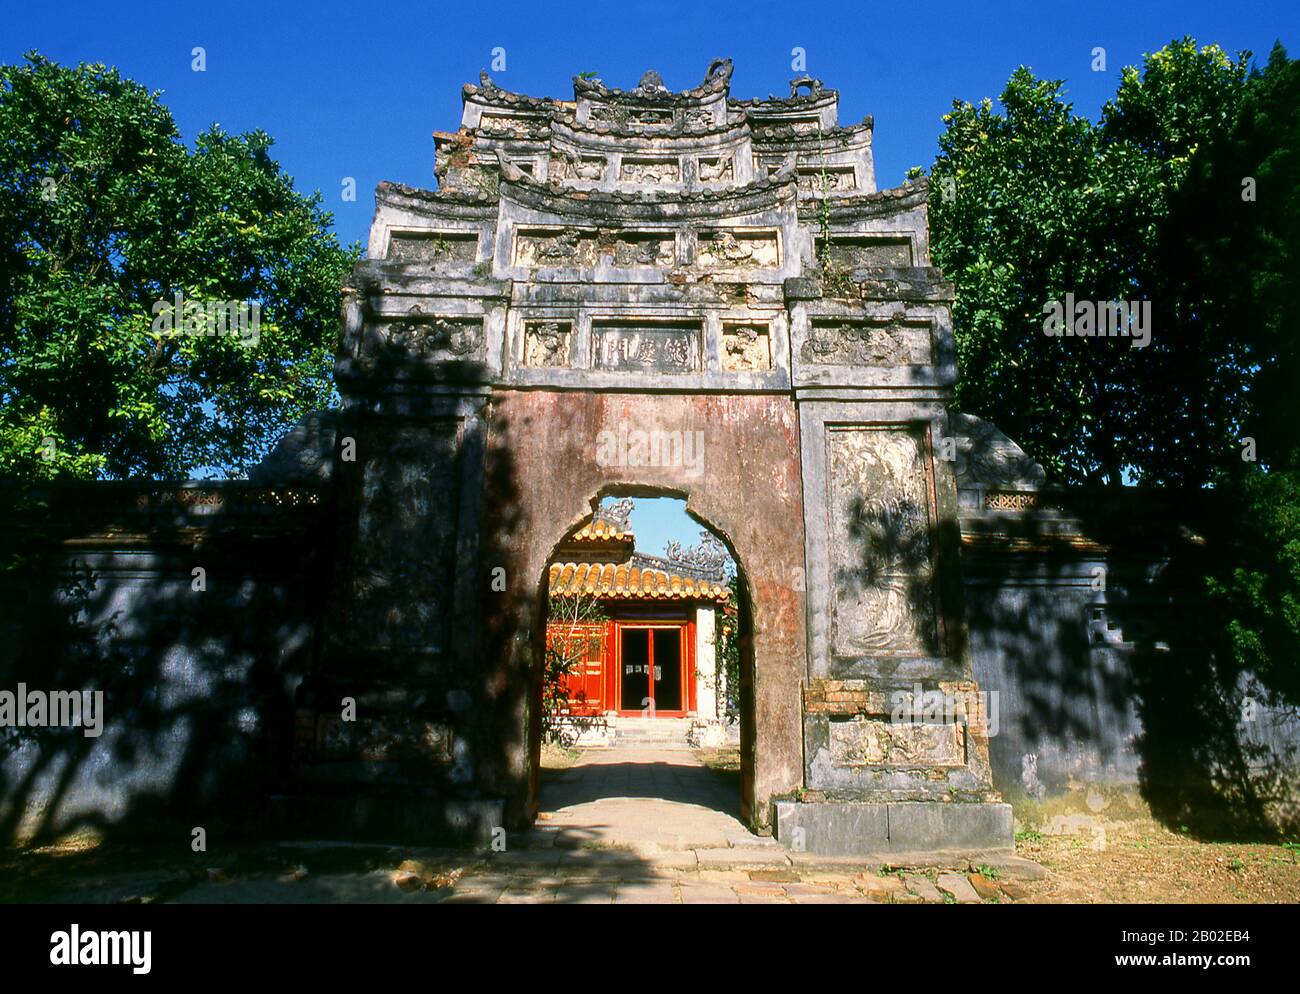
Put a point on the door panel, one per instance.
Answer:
(635, 667)
(668, 669)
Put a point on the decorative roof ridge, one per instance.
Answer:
(912, 193)
(765, 131)
(651, 89)
(632, 581)
(679, 129)
(785, 178)
(488, 92)
(441, 195)
(817, 95)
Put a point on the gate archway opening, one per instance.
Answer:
(643, 670)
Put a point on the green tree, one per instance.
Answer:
(574, 628)
(105, 216)
(1186, 193)
(1036, 202)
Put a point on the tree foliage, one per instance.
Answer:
(1043, 202)
(104, 211)
(574, 627)
(1186, 192)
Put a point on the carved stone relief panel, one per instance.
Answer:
(555, 247)
(646, 347)
(697, 120)
(387, 738)
(716, 170)
(432, 246)
(650, 171)
(881, 544)
(405, 551)
(577, 167)
(627, 249)
(834, 179)
(546, 343)
(867, 742)
(746, 348)
(625, 115)
(866, 343)
(738, 249)
(505, 124)
(861, 253)
(790, 125)
(430, 338)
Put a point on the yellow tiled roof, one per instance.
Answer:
(597, 530)
(624, 580)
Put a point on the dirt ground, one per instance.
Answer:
(1146, 863)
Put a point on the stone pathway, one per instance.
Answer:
(637, 826)
(621, 826)
(641, 799)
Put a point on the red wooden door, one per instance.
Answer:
(584, 644)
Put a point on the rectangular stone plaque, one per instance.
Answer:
(880, 518)
(879, 742)
(835, 179)
(546, 343)
(738, 248)
(833, 342)
(558, 248)
(746, 347)
(433, 246)
(658, 348)
(865, 253)
(650, 171)
(426, 338)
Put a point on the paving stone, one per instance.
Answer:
(877, 886)
(774, 876)
(722, 876)
(987, 889)
(959, 887)
(527, 895)
(806, 890)
(748, 898)
(585, 892)
(1012, 889)
(828, 899)
(646, 892)
(707, 893)
(1011, 867)
(922, 888)
(745, 858)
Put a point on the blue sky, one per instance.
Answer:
(658, 520)
(356, 90)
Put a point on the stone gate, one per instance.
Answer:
(631, 294)
(599, 288)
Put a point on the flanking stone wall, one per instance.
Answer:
(1089, 618)
(198, 684)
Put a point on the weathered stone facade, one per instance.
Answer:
(652, 262)
(649, 293)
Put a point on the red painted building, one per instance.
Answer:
(652, 653)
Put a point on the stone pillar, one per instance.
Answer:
(706, 664)
(707, 730)
(895, 745)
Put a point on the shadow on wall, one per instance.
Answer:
(1089, 617)
(191, 609)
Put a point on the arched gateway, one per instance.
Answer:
(648, 292)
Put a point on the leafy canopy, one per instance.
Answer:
(104, 211)
(1036, 201)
